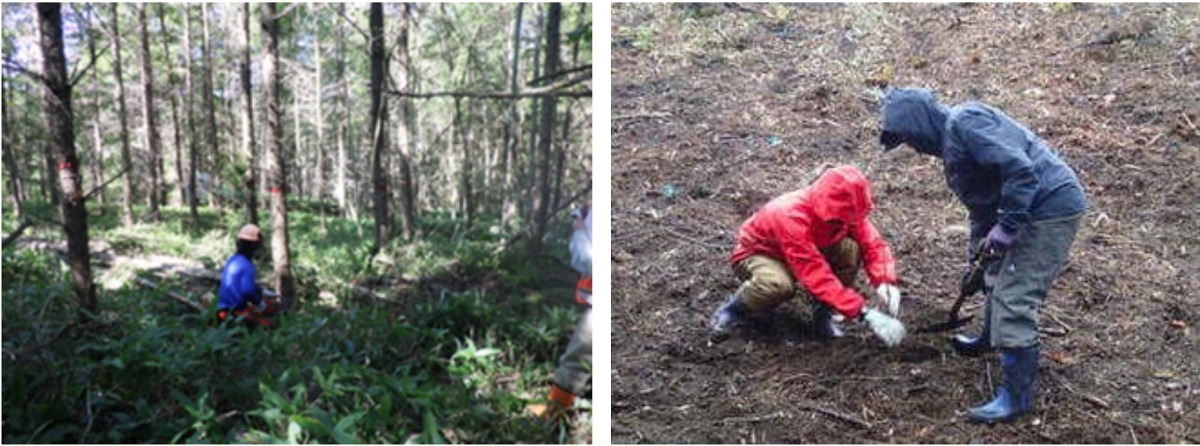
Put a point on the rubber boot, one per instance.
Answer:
(729, 315)
(1016, 393)
(554, 410)
(974, 346)
(823, 318)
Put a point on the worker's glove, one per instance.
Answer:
(1000, 239)
(890, 295)
(889, 329)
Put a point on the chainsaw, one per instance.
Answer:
(972, 283)
(273, 304)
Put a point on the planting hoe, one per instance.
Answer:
(971, 284)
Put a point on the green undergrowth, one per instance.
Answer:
(453, 366)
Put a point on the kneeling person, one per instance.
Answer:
(240, 296)
(815, 239)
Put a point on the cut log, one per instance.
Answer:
(172, 296)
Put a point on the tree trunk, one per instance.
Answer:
(379, 183)
(48, 181)
(56, 107)
(470, 153)
(250, 180)
(172, 83)
(343, 113)
(404, 134)
(15, 185)
(214, 149)
(564, 143)
(96, 157)
(189, 101)
(529, 182)
(319, 123)
(150, 135)
(511, 134)
(546, 136)
(126, 157)
(278, 166)
(413, 120)
(297, 152)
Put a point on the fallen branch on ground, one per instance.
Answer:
(173, 296)
(754, 419)
(841, 416)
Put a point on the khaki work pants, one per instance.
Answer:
(575, 365)
(1021, 280)
(767, 282)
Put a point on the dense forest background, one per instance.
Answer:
(410, 164)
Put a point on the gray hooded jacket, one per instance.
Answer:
(999, 169)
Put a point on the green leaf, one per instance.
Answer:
(487, 352)
(342, 432)
(344, 438)
(348, 421)
(321, 415)
(311, 424)
(432, 436)
(115, 362)
(294, 432)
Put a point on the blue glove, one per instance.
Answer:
(1000, 239)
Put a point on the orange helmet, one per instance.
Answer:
(250, 233)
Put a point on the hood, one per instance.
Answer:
(913, 116)
(841, 193)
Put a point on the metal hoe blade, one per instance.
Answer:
(953, 323)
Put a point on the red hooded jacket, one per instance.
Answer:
(795, 226)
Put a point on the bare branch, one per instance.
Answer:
(13, 236)
(561, 73)
(364, 34)
(10, 64)
(285, 11)
(106, 183)
(552, 90)
(75, 78)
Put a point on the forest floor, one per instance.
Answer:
(717, 108)
(440, 340)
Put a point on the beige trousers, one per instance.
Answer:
(767, 282)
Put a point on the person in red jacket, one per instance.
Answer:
(815, 239)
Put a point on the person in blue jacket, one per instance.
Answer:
(1024, 203)
(239, 295)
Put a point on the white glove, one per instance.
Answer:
(889, 329)
(835, 325)
(890, 295)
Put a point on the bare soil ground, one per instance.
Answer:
(716, 108)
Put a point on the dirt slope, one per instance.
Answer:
(716, 108)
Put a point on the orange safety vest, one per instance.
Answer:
(583, 290)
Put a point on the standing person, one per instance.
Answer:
(574, 366)
(815, 239)
(1023, 201)
(240, 296)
